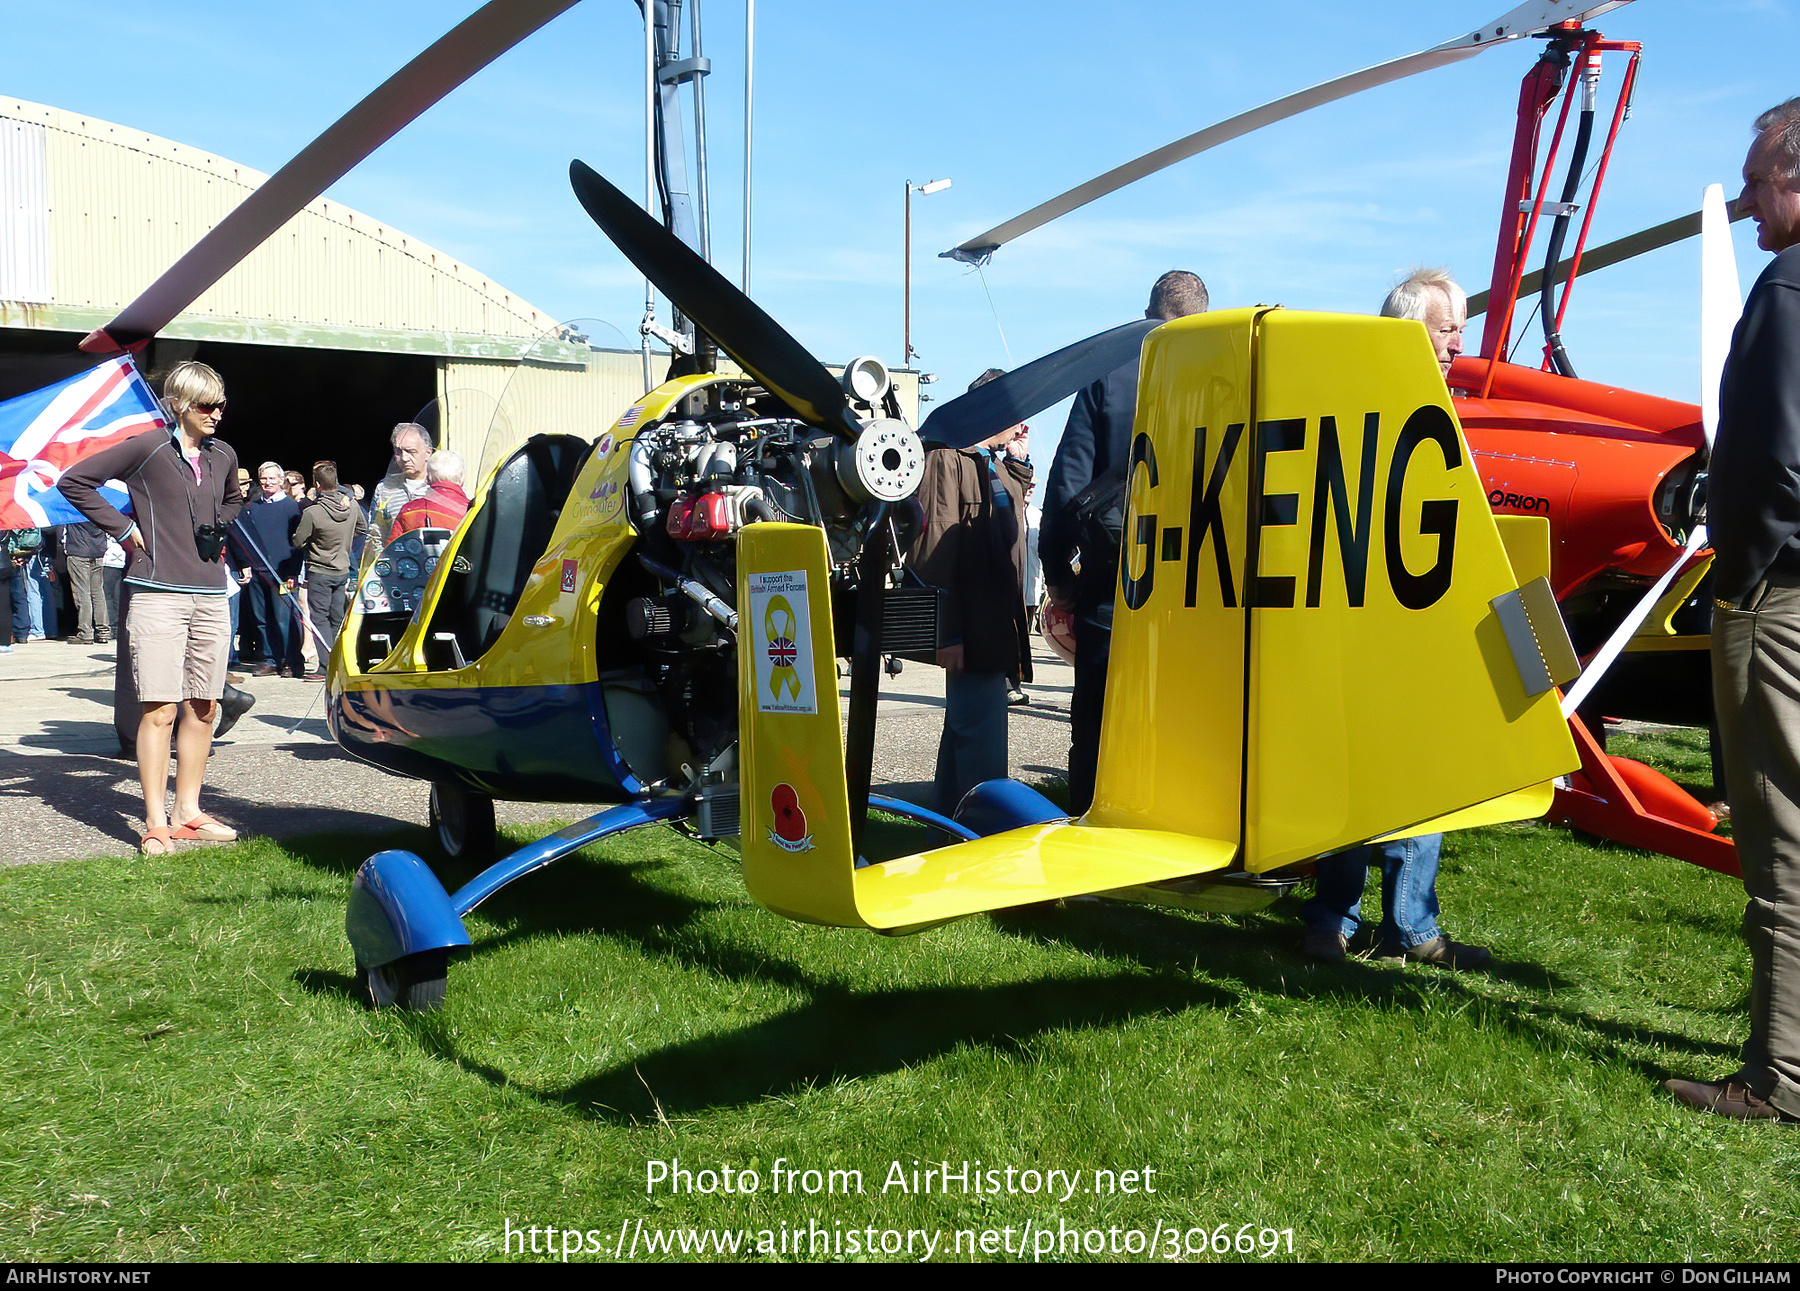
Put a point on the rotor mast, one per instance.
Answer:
(682, 209)
(1525, 202)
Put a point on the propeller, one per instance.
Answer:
(467, 48)
(1616, 252)
(1024, 392)
(1721, 301)
(1525, 20)
(758, 343)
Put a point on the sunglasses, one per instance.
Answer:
(208, 407)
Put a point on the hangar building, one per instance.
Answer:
(329, 333)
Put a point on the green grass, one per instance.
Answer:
(187, 1075)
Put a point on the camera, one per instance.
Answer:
(209, 540)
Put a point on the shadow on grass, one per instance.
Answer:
(1168, 962)
(843, 1034)
(1255, 953)
(319, 981)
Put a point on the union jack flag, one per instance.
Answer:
(44, 433)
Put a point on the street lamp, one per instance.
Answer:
(932, 186)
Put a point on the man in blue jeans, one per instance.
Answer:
(1409, 866)
(262, 545)
(1409, 906)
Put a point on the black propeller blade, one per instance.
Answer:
(1024, 392)
(758, 343)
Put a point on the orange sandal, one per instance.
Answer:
(207, 830)
(160, 835)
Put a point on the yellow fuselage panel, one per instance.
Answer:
(793, 795)
(1021, 866)
(550, 638)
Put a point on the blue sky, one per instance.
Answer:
(1014, 101)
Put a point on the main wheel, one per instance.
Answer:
(412, 983)
(463, 824)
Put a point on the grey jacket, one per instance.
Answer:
(167, 502)
(328, 527)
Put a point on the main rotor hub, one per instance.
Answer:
(885, 464)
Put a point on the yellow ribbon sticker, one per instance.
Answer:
(782, 627)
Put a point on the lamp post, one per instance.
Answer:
(933, 186)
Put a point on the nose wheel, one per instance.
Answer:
(412, 983)
(463, 824)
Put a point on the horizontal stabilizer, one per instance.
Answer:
(1037, 863)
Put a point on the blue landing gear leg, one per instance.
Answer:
(403, 926)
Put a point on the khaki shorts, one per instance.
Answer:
(178, 645)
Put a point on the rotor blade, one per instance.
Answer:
(1721, 302)
(1640, 243)
(724, 313)
(1606, 655)
(468, 47)
(1024, 392)
(1524, 20)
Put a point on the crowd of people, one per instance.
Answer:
(290, 552)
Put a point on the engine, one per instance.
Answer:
(730, 455)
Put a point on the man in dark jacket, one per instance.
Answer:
(1753, 518)
(84, 548)
(1094, 446)
(327, 531)
(262, 543)
(972, 545)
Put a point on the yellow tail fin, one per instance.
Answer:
(1305, 655)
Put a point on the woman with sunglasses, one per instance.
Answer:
(184, 492)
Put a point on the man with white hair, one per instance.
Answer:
(1432, 297)
(405, 480)
(1753, 520)
(1409, 906)
(443, 505)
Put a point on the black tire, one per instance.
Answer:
(412, 983)
(463, 825)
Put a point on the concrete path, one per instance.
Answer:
(66, 794)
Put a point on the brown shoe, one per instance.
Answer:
(1726, 1097)
(1440, 952)
(1324, 944)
